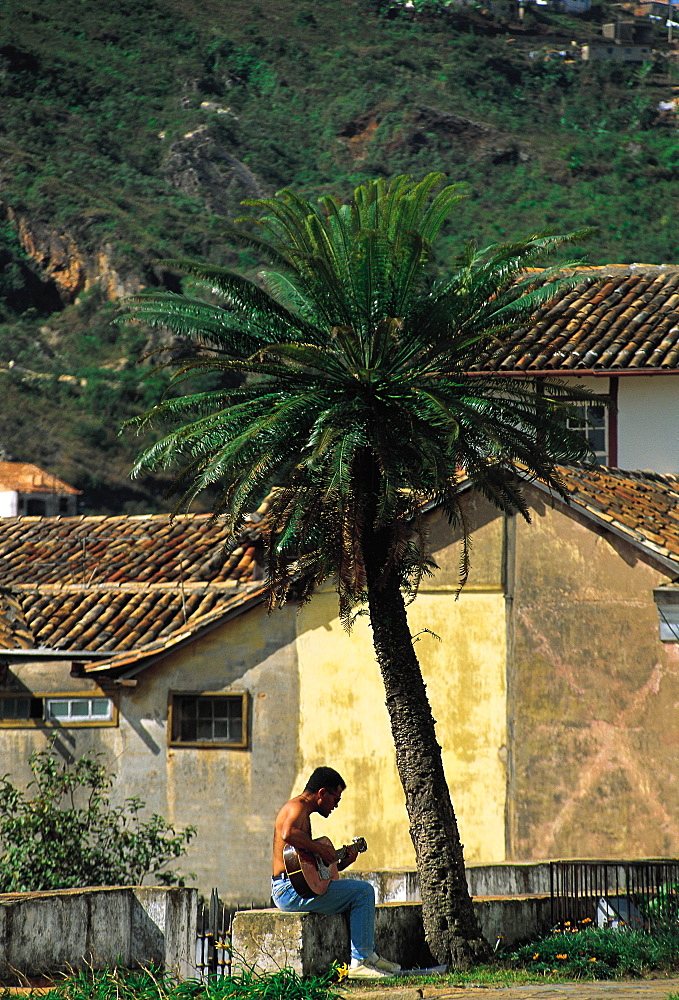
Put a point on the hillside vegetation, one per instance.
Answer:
(130, 134)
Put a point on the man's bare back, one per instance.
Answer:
(293, 826)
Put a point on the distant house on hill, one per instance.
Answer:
(27, 489)
(616, 332)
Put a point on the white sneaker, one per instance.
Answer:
(383, 963)
(363, 970)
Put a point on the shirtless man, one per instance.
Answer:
(293, 826)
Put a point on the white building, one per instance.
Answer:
(27, 489)
(615, 332)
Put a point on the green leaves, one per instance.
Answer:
(359, 401)
(68, 834)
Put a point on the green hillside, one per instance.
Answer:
(129, 135)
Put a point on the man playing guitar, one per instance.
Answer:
(322, 794)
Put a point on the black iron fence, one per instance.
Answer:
(640, 894)
(213, 938)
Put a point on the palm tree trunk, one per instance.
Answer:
(451, 929)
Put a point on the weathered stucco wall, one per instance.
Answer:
(67, 929)
(344, 721)
(593, 697)
(230, 795)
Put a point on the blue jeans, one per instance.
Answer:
(342, 894)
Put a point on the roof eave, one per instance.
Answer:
(141, 659)
(669, 562)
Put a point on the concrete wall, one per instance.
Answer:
(515, 878)
(9, 503)
(269, 940)
(594, 768)
(230, 795)
(76, 929)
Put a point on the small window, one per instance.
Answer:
(591, 420)
(28, 710)
(20, 708)
(209, 720)
(36, 508)
(78, 710)
(63, 505)
(666, 598)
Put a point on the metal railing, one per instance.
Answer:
(638, 894)
(213, 938)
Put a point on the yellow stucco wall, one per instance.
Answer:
(344, 720)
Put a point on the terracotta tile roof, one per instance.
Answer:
(118, 584)
(641, 506)
(23, 477)
(617, 320)
(114, 550)
(125, 590)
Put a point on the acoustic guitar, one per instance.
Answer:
(309, 874)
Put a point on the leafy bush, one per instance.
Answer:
(68, 834)
(600, 953)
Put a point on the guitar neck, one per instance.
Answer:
(358, 843)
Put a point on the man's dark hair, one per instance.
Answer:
(325, 777)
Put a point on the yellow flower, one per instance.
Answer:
(592, 959)
(562, 956)
(536, 955)
(566, 923)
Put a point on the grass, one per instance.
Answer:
(149, 984)
(566, 955)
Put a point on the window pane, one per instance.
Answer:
(80, 709)
(208, 719)
(204, 730)
(15, 708)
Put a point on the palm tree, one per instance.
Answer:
(357, 402)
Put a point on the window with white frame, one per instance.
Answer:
(216, 720)
(19, 710)
(591, 420)
(78, 709)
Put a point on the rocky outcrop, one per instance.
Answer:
(200, 167)
(471, 139)
(65, 266)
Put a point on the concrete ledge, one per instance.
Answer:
(508, 878)
(45, 932)
(269, 940)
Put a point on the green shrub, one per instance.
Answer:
(600, 953)
(69, 835)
